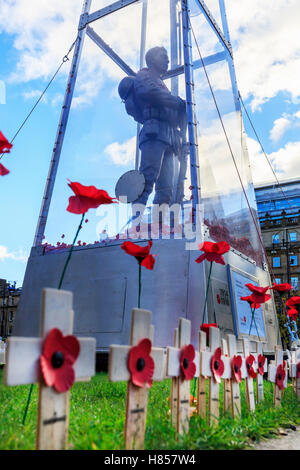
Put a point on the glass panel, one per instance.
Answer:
(101, 139)
(226, 182)
(293, 260)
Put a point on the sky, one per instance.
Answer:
(100, 139)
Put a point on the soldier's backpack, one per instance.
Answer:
(127, 95)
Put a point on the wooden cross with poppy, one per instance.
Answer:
(250, 373)
(139, 365)
(55, 361)
(262, 367)
(277, 373)
(215, 366)
(295, 371)
(201, 391)
(226, 382)
(2, 352)
(236, 361)
(183, 362)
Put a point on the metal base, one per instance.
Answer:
(104, 280)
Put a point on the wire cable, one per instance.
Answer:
(65, 59)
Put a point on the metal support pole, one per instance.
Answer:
(175, 58)
(40, 230)
(190, 102)
(142, 62)
(229, 57)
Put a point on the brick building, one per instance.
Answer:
(279, 216)
(9, 299)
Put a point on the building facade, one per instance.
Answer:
(279, 216)
(9, 299)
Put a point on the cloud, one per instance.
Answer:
(284, 161)
(122, 154)
(282, 124)
(5, 254)
(44, 31)
(266, 48)
(280, 127)
(265, 43)
(34, 94)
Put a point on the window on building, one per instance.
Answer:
(276, 262)
(293, 236)
(293, 260)
(11, 316)
(294, 282)
(275, 238)
(277, 280)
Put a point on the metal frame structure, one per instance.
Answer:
(182, 34)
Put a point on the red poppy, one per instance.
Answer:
(251, 301)
(87, 197)
(141, 253)
(141, 364)
(236, 364)
(291, 302)
(259, 295)
(5, 146)
(213, 251)
(187, 366)
(205, 326)
(261, 364)
(281, 288)
(280, 376)
(298, 370)
(217, 365)
(3, 171)
(293, 313)
(58, 356)
(249, 365)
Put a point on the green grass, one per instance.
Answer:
(97, 416)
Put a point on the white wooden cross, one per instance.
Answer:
(201, 393)
(272, 373)
(174, 388)
(294, 366)
(226, 382)
(23, 367)
(174, 370)
(137, 397)
(206, 370)
(259, 377)
(235, 386)
(248, 378)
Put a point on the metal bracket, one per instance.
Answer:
(83, 21)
